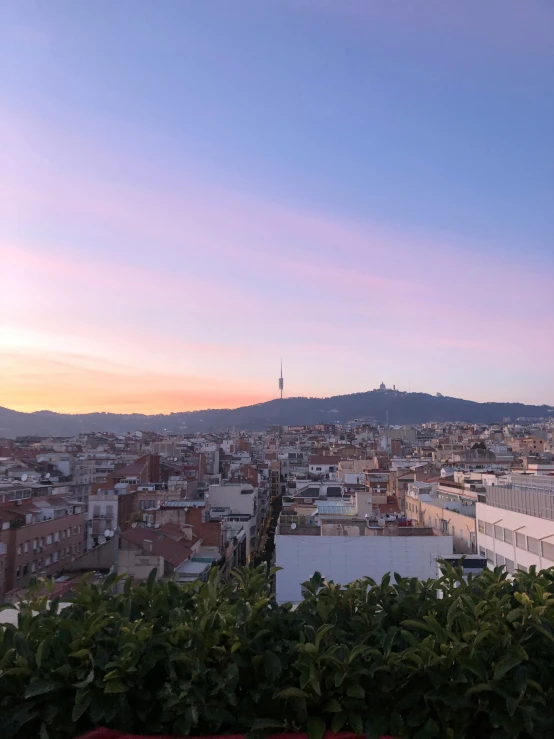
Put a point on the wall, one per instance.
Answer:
(529, 526)
(231, 496)
(67, 539)
(98, 558)
(460, 526)
(139, 565)
(344, 559)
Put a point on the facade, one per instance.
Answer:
(39, 537)
(444, 515)
(344, 558)
(515, 523)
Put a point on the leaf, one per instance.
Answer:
(80, 707)
(339, 719)
(356, 691)
(151, 580)
(115, 686)
(291, 693)
(376, 727)
(44, 731)
(356, 723)
(321, 633)
(262, 724)
(88, 679)
(333, 706)
(40, 687)
(411, 624)
(505, 665)
(315, 727)
(396, 727)
(39, 653)
(272, 666)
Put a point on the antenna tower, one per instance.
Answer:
(281, 381)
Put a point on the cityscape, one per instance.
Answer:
(276, 369)
(405, 497)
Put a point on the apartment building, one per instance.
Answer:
(444, 515)
(515, 523)
(39, 536)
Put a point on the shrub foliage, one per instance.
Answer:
(442, 658)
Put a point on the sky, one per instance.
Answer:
(192, 191)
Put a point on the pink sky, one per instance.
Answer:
(142, 274)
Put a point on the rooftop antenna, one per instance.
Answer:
(281, 381)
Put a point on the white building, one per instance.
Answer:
(242, 500)
(347, 558)
(515, 523)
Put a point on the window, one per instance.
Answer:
(142, 504)
(488, 529)
(481, 525)
(55, 557)
(35, 543)
(508, 536)
(48, 561)
(63, 534)
(547, 550)
(25, 570)
(80, 528)
(49, 540)
(56, 536)
(490, 556)
(41, 541)
(533, 545)
(26, 546)
(18, 573)
(509, 566)
(19, 549)
(482, 552)
(79, 546)
(500, 560)
(74, 530)
(33, 566)
(69, 532)
(521, 541)
(523, 568)
(499, 533)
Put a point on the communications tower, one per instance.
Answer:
(281, 381)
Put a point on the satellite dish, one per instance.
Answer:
(108, 533)
(293, 526)
(24, 477)
(47, 476)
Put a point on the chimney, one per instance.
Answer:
(147, 546)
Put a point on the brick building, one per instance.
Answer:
(39, 535)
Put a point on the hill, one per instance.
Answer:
(402, 408)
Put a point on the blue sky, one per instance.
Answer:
(364, 188)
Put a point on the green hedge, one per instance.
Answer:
(413, 659)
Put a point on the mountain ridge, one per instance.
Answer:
(393, 405)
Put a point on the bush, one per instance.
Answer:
(443, 658)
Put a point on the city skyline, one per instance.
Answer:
(363, 190)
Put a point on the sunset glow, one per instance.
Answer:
(179, 216)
